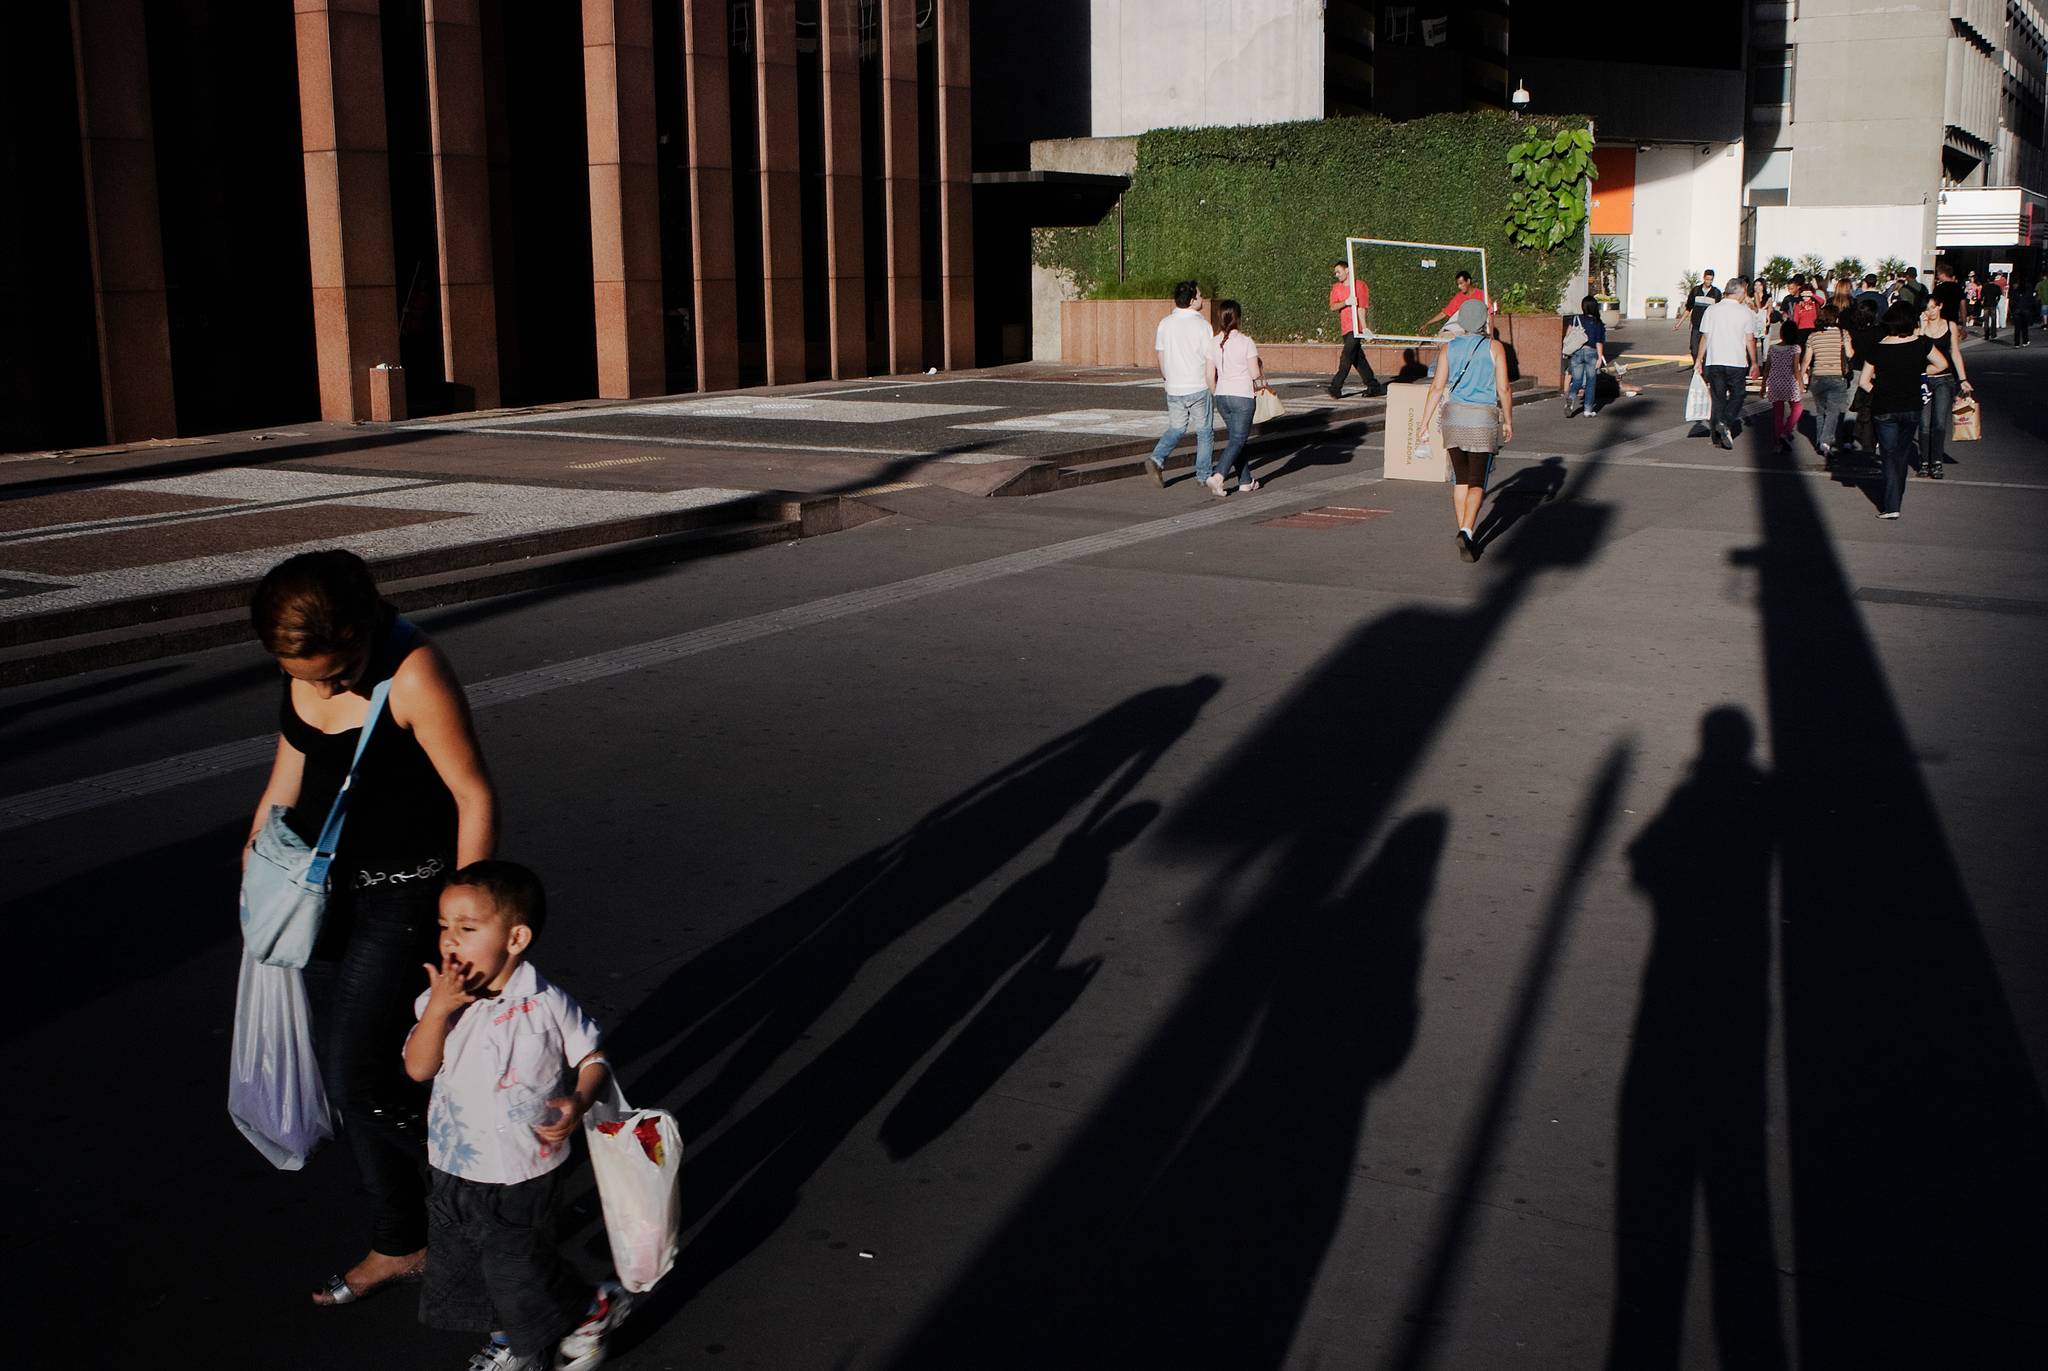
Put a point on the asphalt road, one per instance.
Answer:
(1115, 929)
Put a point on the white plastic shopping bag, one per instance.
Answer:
(274, 1091)
(1699, 401)
(637, 1155)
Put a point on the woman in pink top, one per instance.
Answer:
(1238, 374)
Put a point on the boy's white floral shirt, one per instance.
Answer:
(506, 1057)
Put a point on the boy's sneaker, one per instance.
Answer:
(583, 1349)
(498, 1356)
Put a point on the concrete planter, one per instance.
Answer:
(1111, 333)
(1533, 341)
(1656, 309)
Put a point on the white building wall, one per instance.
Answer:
(1688, 217)
(1871, 232)
(1190, 63)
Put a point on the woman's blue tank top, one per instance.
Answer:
(1471, 366)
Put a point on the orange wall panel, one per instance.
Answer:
(1614, 192)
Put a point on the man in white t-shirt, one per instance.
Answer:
(1727, 352)
(1187, 362)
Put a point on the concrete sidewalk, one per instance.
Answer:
(129, 554)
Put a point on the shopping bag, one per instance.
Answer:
(637, 1156)
(1969, 420)
(274, 1092)
(1266, 405)
(1699, 401)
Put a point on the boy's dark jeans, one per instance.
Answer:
(492, 1263)
(361, 984)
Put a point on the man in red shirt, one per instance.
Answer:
(1352, 324)
(1466, 291)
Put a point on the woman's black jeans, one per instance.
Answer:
(362, 983)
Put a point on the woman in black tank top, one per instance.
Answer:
(421, 805)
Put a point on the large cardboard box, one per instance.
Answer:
(1404, 425)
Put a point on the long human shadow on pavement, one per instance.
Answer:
(762, 988)
(1693, 1112)
(1915, 1120)
(1115, 1255)
(747, 1179)
(1425, 1316)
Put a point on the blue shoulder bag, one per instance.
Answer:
(285, 884)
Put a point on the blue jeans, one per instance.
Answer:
(1895, 434)
(361, 983)
(1830, 399)
(1184, 412)
(1237, 424)
(1727, 384)
(1585, 372)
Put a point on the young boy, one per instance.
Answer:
(499, 1042)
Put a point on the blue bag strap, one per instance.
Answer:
(330, 832)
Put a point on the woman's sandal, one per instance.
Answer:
(339, 1291)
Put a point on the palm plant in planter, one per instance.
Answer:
(1604, 257)
(1848, 269)
(1890, 269)
(1812, 265)
(1778, 271)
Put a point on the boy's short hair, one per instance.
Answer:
(1466, 277)
(1184, 293)
(513, 889)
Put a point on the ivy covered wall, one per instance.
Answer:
(1259, 214)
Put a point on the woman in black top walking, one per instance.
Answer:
(1896, 363)
(421, 805)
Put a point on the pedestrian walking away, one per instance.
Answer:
(1727, 352)
(1584, 362)
(421, 803)
(1470, 390)
(1187, 360)
(1826, 364)
(1785, 382)
(1353, 328)
(1994, 294)
(1240, 375)
(1896, 364)
(1704, 297)
(511, 1081)
(1860, 333)
(1947, 375)
(2024, 308)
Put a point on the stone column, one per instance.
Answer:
(625, 196)
(117, 146)
(782, 231)
(899, 172)
(956, 187)
(846, 284)
(348, 199)
(462, 198)
(711, 233)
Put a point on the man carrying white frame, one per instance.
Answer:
(1352, 300)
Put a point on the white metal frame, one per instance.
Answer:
(1351, 263)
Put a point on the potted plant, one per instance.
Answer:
(1656, 307)
(1610, 309)
(1812, 265)
(1604, 258)
(1849, 269)
(1777, 271)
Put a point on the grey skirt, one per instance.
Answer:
(1470, 427)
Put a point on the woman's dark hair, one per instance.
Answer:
(1862, 314)
(1590, 305)
(316, 603)
(1788, 332)
(1228, 312)
(1900, 321)
(1828, 317)
(513, 889)
(1184, 293)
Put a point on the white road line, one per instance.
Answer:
(793, 449)
(151, 778)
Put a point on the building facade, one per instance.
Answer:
(1865, 120)
(242, 211)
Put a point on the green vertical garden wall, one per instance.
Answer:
(1259, 213)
